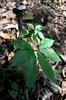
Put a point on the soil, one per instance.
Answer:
(53, 17)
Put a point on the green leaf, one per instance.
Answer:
(49, 52)
(14, 86)
(24, 31)
(39, 27)
(45, 43)
(38, 40)
(46, 67)
(13, 94)
(21, 44)
(40, 34)
(25, 60)
(33, 37)
(30, 26)
(36, 32)
(14, 90)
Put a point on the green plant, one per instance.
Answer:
(32, 53)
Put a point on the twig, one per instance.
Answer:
(27, 97)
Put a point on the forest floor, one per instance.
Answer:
(53, 17)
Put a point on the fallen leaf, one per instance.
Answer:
(10, 56)
(63, 57)
(63, 88)
(64, 71)
(7, 36)
(11, 26)
(64, 13)
(4, 21)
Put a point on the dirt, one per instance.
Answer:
(53, 17)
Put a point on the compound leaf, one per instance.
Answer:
(45, 43)
(49, 52)
(25, 60)
(46, 67)
(30, 26)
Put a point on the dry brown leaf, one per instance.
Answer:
(63, 88)
(63, 57)
(9, 14)
(10, 56)
(2, 10)
(11, 26)
(24, 2)
(4, 21)
(7, 36)
(34, 45)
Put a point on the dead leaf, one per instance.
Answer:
(64, 13)
(64, 71)
(63, 57)
(12, 26)
(2, 10)
(63, 88)
(24, 2)
(4, 21)
(9, 14)
(10, 56)
(7, 36)
(34, 45)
